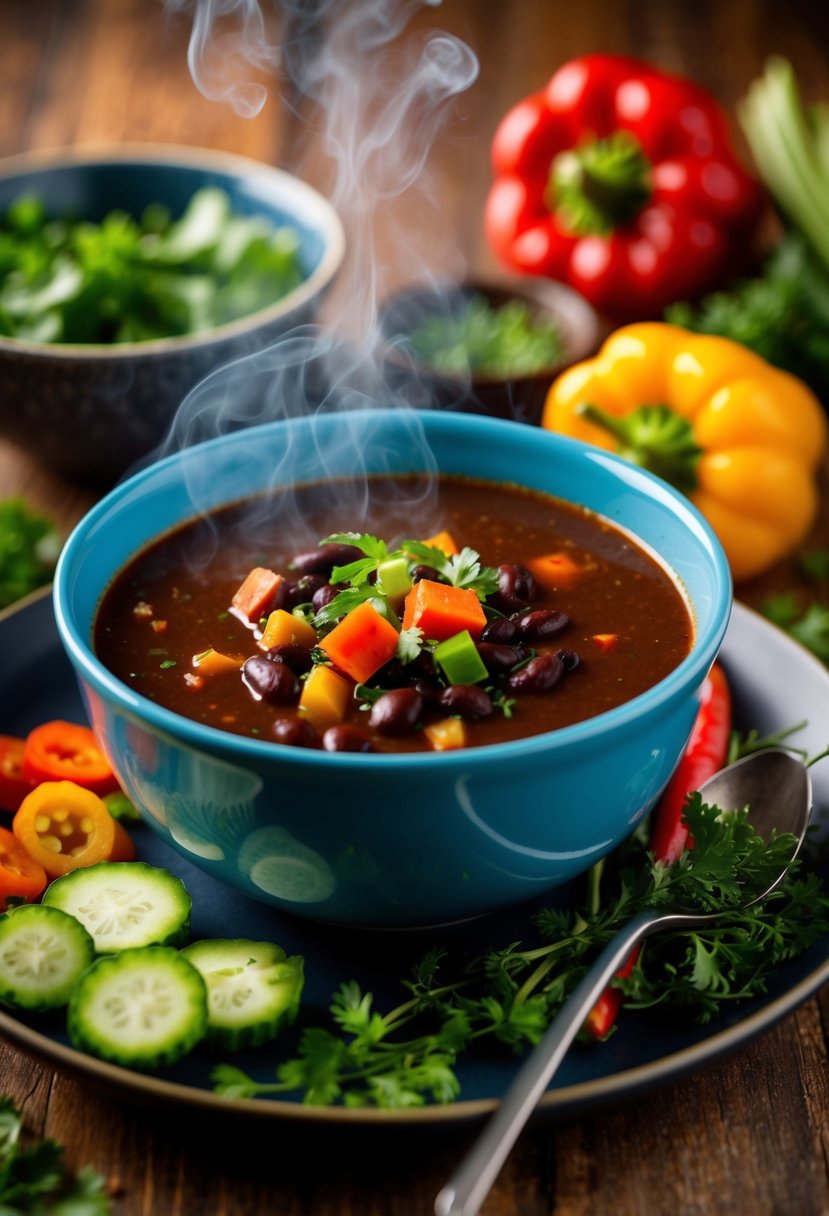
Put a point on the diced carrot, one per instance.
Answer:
(325, 697)
(554, 571)
(212, 662)
(442, 611)
(361, 643)
(444, 541)
(255, 596)
(446, 735)
(605, 641)
(284, 627)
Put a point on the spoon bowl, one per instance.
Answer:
(776, 789)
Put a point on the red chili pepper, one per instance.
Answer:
(63, 751)
(705, 754)
(13, 785)
(620, 180)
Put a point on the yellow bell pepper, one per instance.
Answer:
(742, 439)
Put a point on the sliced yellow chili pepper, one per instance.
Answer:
(742, 439)
(64, 826)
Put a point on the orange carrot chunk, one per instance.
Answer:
(554, 571)
(283, 627)
(442, 611)
(446, 735)
(256, 594)
(361, 643)
(444, 541)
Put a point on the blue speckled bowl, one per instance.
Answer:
(93, 410)
(392, 840)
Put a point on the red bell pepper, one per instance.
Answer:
(620, 180)
(705, 754)
(13, 785)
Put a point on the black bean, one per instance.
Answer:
(346, 738)
(500, 630)
(418, 573)
(569, 658)
(296, 732)
(269, 681)
(430, 690)
(516, 587)
(396, 712)
(325, 558)
(542, 623)
(307, 586)
(497, 658)
(326, 593)
(468, 700)
(293, 655)
(539, 675)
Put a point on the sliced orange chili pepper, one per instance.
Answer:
(13, 785)
(64, 826)
(21, 877)
(63, 751)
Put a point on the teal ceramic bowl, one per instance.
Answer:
(392, 840)
(91, 411)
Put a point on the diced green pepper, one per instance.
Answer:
(459, 659)
(393, 578)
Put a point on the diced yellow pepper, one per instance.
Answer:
(212, 662)
(282, 627)
(325, 697)
(446, 735)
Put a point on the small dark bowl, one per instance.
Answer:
(91, 411)
(517, 397)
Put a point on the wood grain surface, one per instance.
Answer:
(749, 1137)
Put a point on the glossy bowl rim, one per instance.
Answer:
(231, 164)
(243, 748)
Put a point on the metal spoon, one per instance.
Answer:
(776, 788)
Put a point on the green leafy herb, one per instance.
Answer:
(782, 315)
(131, 280)
(809, 627)
(484, 340)
(462, 569)
(35, 1181)
(29, 547)
(409, 644)
(511, 993)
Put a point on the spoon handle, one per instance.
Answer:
(471, 1182)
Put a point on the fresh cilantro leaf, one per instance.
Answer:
(409, 644)
(346, 601)
(29, 548)
(131, 279)
(35, 1181)
(810, 628)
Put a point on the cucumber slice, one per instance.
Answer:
(43, 953)
(141, 1008)
(124, 904)
(252, 990)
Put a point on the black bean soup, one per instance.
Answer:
(500, 613)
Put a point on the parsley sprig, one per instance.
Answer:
(509, 995)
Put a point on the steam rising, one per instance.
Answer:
(373, 102)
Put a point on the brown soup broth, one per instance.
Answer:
(171, 601)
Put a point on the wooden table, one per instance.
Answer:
(750, 1136)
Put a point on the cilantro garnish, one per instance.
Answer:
(510, 994)
(29, 548)
(36, 1180)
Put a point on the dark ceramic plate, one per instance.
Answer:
(776, 684)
